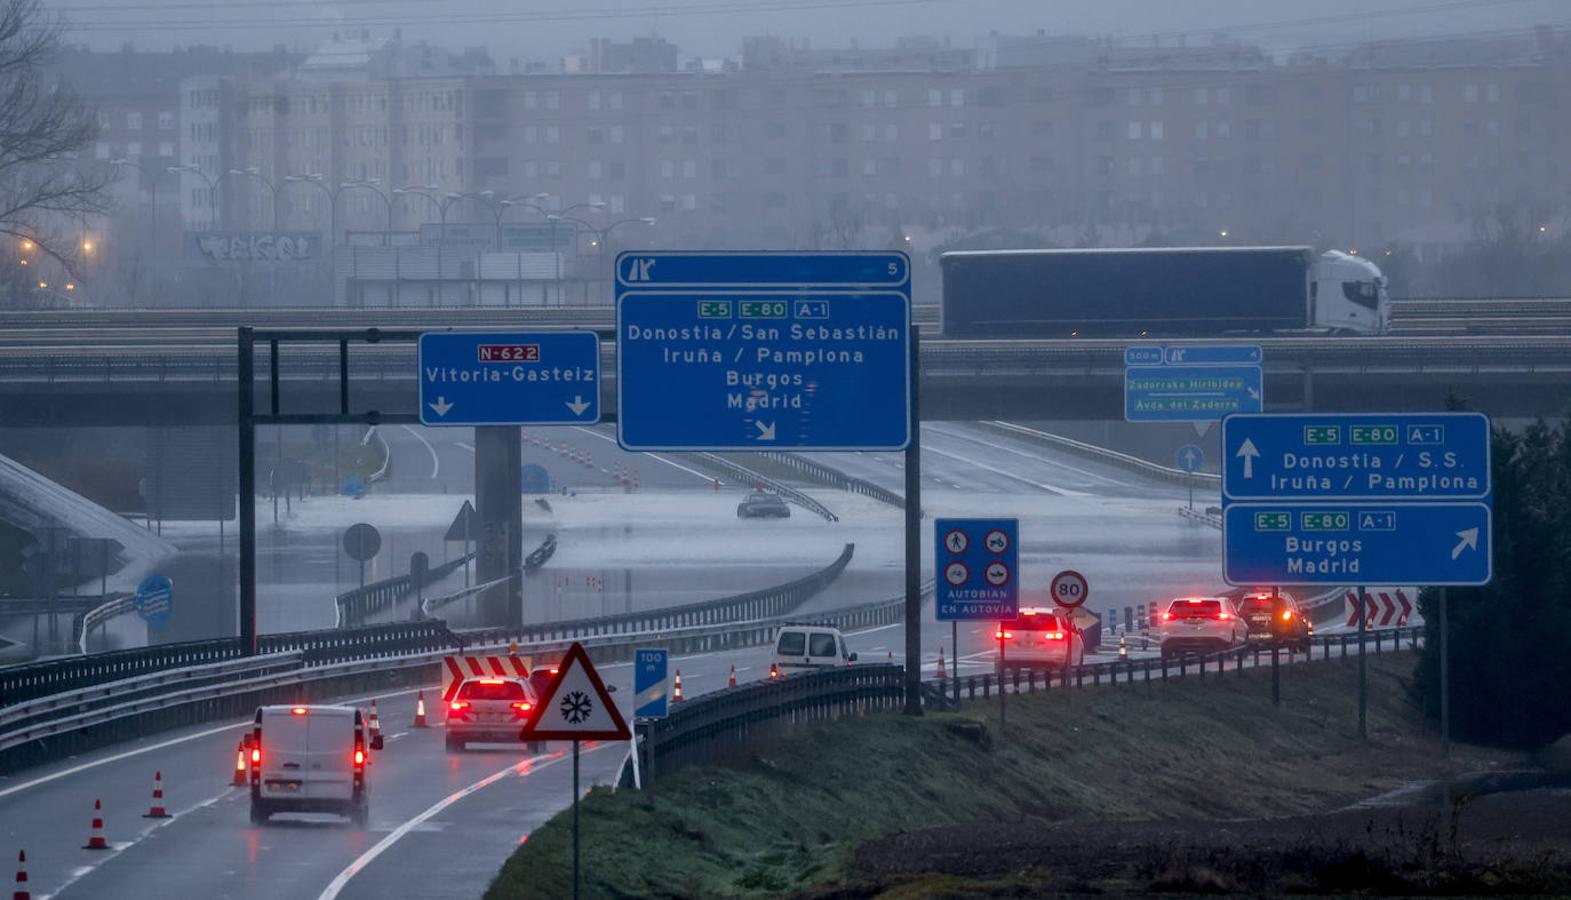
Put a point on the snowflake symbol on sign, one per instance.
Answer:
(576, 707)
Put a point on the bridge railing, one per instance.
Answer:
(357, 603)
(743, 475)
(835, 478)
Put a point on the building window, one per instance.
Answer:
(689, 202)
(1135, 131)
(166, 119)
(957, 131)
(1224, 96)
(935, 131)
(553, 134)
(667, 168)
(1202, 96)
(774, 165)
(869, 132)
(1470, 93)
(690, 135)
(667, 134)
(1135, 165)
(102, 150)
(891, 201)
(1404, 92)
(1158, 165)
(166, 149)
(869, 168)
(592, 100)
(133, 149)
(553, 169)
(869, 98)
(595, 135)
(616, 103)
(935, 167)
(594, 170)
(133, 121)
(891, 133)
(1426, 93)
(616, 134)
(957, 167)
(957, 97)
(1134, 95)
(689, 168)
(1156, 131)
(891, 99)
(618, 203)
(935, 97)
(1492, 93)
(1202, 130)
(1224, 130)
(531, 100)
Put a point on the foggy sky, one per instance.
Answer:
(546, 29)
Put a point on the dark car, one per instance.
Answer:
(762, 505)
(1278, 619)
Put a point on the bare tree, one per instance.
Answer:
(44, 188)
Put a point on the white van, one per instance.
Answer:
(309, 759)
(801, 648)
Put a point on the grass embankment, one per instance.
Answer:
(790, 817)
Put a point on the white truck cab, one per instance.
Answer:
(802, 648)
(309, 759)
(1349, 295)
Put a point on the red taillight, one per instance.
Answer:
(553, 670)
(1003, 635)
(458, 705)
(1223, 616)
(297, 711)
(256, 756)
(1287, 615)
(359, 758)
(491, 681)
(1055, 635)
(1167, 617)
(522, 708)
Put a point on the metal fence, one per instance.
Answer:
(835, 478)
(740, 608)
(355, 604)
(718, 724)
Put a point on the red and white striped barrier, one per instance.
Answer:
(458, 669)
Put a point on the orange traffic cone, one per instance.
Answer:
(774, 671)
(21, 892)
(157, 811)
(96, 840)
(376, 720)
(941, 674)
(1123, 649)
(676, 690)
(240, 770)
(731, 682)
(420, 710)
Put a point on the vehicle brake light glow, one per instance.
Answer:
(297, 711)
(553, 670)
(359, 758)
(256, 756)
(1055, 635)
(1028, 612)
(1167, 617)
(1193, 600)
(491, 681)
(1287, 615)
(458, 705)
(1004, 635)
(1223, 616)
(523, 706)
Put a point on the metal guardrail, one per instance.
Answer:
(99, 614)
(355, 604)
(744, 475)
(722, 722)
(537, 558)
(835, 478)
(744, 608)
(1103, 454)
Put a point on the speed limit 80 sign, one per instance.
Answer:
(1069, 589)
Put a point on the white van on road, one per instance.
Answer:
(801, 648)
(310, 759)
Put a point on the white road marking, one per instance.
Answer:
(16, 789)
(465, 446)
(436, 463)
(1021, 453)
(524, 770)
(1050, 488)
(655, 456)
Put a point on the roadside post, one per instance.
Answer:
(576, 706)
(978, 562)
(1070, 590)
(1372, 498)
(755, 352)
(362, 542)
(1276, 644)
(651, 701)
(1190, 459)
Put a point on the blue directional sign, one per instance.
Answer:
(1400, 456)
(154, 599)
(1190, 458)
(521, 378)
(1357, 543)
(978, 563)
(650, 683)
(1368, 499)
(1212, 355)
(1190, 393)
(825, 366)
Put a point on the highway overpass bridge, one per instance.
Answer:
(162, 377)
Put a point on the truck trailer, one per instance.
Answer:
(1160, 292)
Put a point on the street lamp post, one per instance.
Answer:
(442, 205)
(601, 235)
(272, 188)
(212, 189)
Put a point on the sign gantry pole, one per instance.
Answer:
(913, 546)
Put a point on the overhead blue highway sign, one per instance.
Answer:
(1400, 456)
(1190, 393)
(509, 378)
(651, 680)
(1369, 499)
(1357, 543)
(782, 362)
(1212, 354)
(978, 563)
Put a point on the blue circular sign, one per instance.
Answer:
(155, 598)
(353, 487)
(1191, 458)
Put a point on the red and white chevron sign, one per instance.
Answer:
(1386, 608)
(457, 669)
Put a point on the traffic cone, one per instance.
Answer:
(21, 892)
(1123, 649)
(941, 675)
(96, 840)
(774, 671)
(157, 811)
(240, 770)
(420, 710)
(376, 720)
(676, 691)
(731, 682)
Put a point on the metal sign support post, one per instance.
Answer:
(1001, 670)
(575, 820)
(1276, 644)
(1363, 665)
(954, 651)
(913, 548)
(1445, 677)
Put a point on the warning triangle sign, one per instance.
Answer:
(464, 524)
(576, 705)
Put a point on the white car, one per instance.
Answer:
(1040, 639)
(490, 710)
(802, 648)
(309, 759)
(1201, 625)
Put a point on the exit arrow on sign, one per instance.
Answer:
(441, 406)
(577, 405)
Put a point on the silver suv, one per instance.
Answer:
(489, 710)
(1201, 625)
